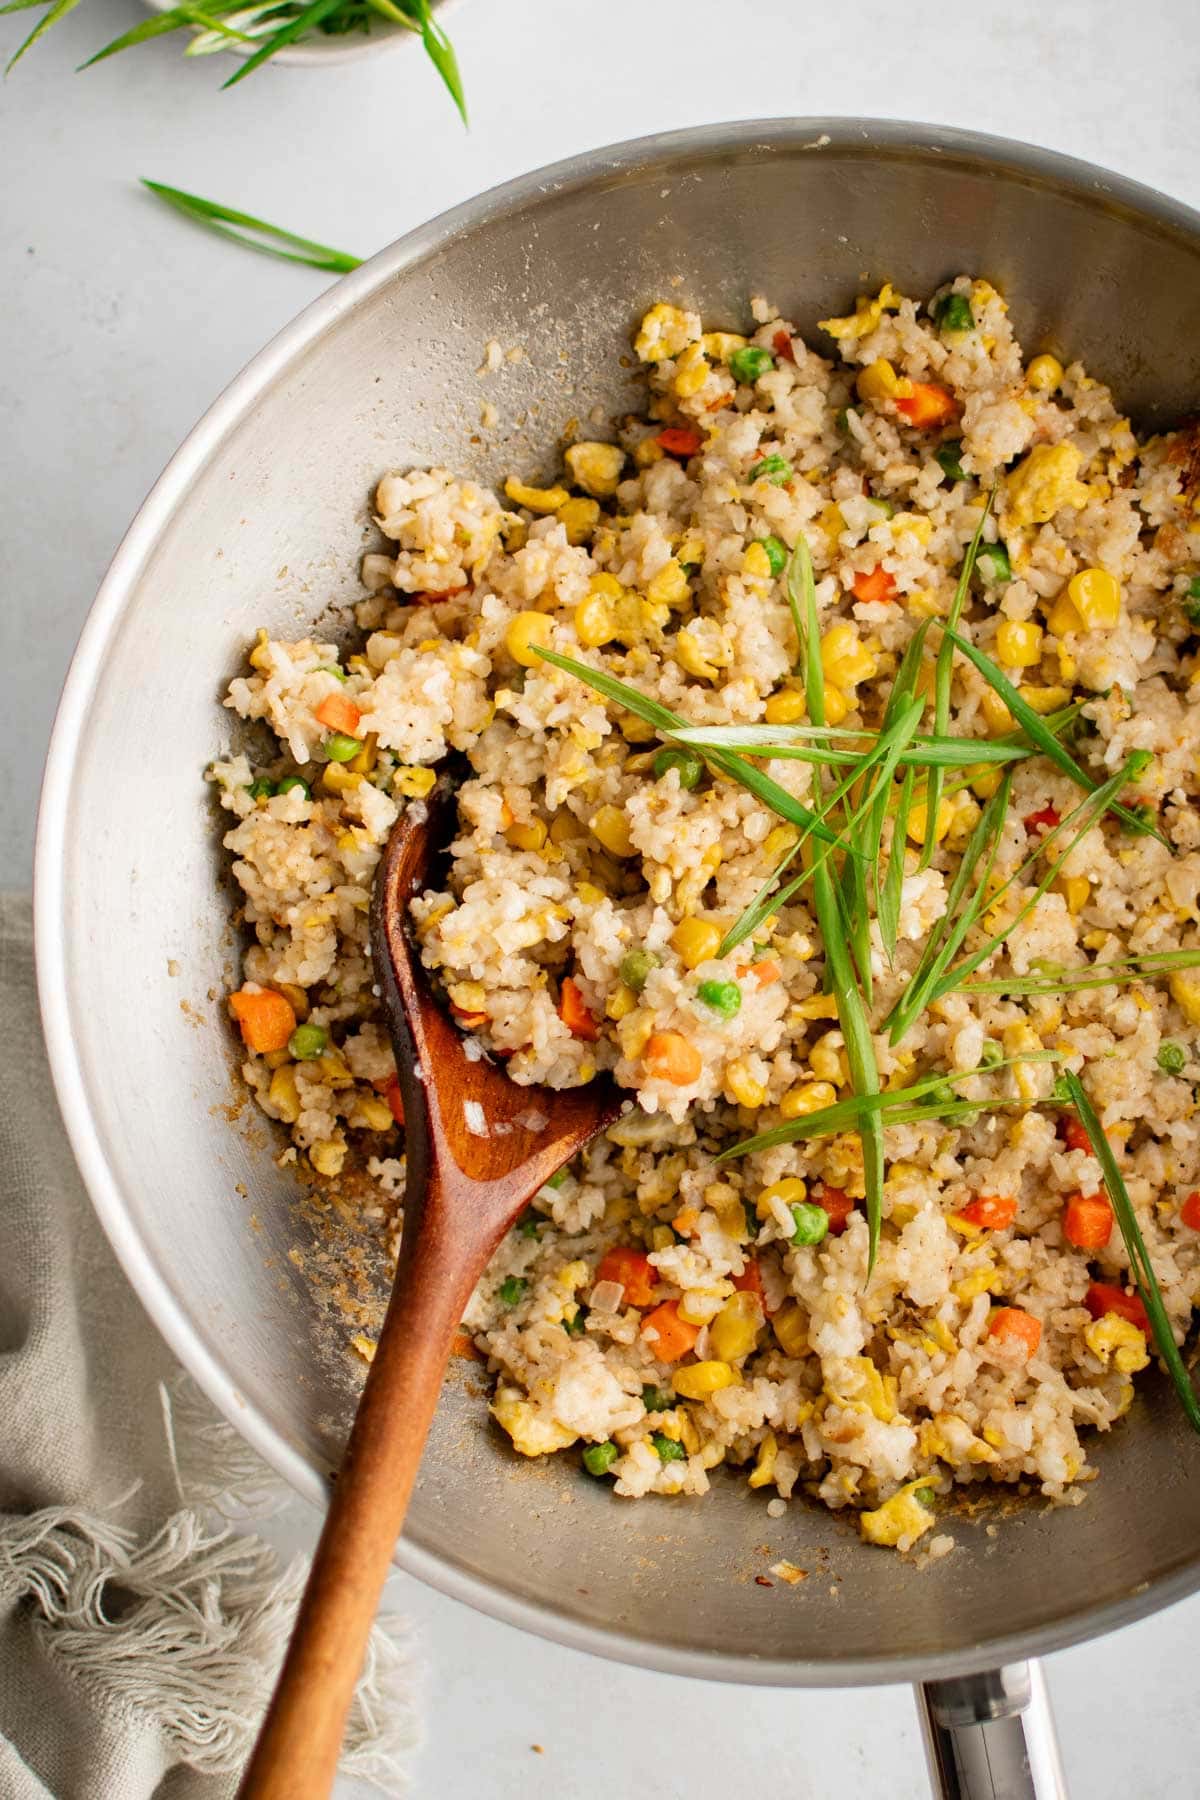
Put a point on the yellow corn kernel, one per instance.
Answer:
(1043, 483)
(1185, 992)
(698, 1380)
(743, 1086)
(1068, 668)
(283, 1094)
(530, 836)
(836, 705)
(827, 1059)
(1074, 890)
(610, 827)
(691, 372)
(692, 659)
(621, 1002)
(635, 730)
(595, 621)
(918, 821)
(1096, 597)
(1019, 643)
(790, 1326)
(809, 1097)
(756, 563)
(734, 1332)
(580, 518)
(595, 467)
(817, 1006)
(565, 828)
(1044, 700)
(368, 756)
(525, 631)
(1062, 616)
(647, 451)
(1044, 374)
(791, 1190)
(588, 893)
(776, 842)
(787, 707)
(664, 332)
(347, 841)
(764, 1463)
(327, 1156)
(844, 658)
(985, 779)
(414, 783)
(923, 604)
(337, 778)
(539, 500)
(669, 587)
(296, 998)
(999, 719)
(358, 665)
(373, 1113)
(258, 657)
(879, 381)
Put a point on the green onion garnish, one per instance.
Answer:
(255, 234)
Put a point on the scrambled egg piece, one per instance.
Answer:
(901, 1517)
(866, 315)
(532, 1433)
(1042, 484)
(1119, 1340)
(864, 1387)
(665, 331)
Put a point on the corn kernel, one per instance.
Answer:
(621, 1002)
(1044, 700)
(790, 1326)
(296, 997)
(756, 563)
(327, 1156)
(734, 1332)
(827, 1059)
(669, 587)
(565, 828)
(817, 1006)
(259, 657)
(764, 1463)
(809, 1097)
(337, 778)
(373, 1113)
(781, 839)
(844, 658)
(698, 1380)
(595, 621)
(918, 824)
(836, 705)
(664, 332)
(368, 756)
(611, 828)
(696, 941)
(1074, 890)
(414, 783)
(1044, 374)
(999, 719)
(580, 518)
(595, 467)
(1096, 597)
(525, 631)
(787, 707)
(791, 1190)
(528, 836)
(539, 500)
(1185, 992)
(879, 381)
(283, 1094)
(1019, 643)
(1062, 617)
(743, 1086)
(985, 779)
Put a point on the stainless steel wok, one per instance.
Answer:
(260, 519)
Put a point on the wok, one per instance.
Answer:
(260, 520)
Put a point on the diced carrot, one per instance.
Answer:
(425, 598)
(1102, 1297)
(1071, 1131)
(390, 1089)
(928, 405)
(837, 1204)
(574, 1014)
(674, 1337)
(1087, 1221)
(266, 1019)
(765, 972)
(463, 1344)
(470, 1021)
(632, 1270)
(874, 584)
(1189, 1212)
(1045, 820)
(685, 1222)
(750, 1281)
(995, 1212)
(669, 1056)
(720, 401)
(782, 343)
(680, 440)
(337, 712)
(1012, 1324)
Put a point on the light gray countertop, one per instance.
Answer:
(122, 323)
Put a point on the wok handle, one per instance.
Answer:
(991, 1736)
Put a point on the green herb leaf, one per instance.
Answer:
(1139, 1258)
(944, 677)
(440, 51)
(254, 234)
(58, 11)
(1056, 979)
(308, 17)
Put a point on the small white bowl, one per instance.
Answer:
(320, 49)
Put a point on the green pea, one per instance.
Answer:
(689, 766)
(953, 313)
(575, 1324)
(294, 781)
(668, 1449)
(748, 363)
(530, 1224)
(991, 1054)
(777, 469)
(656, 1399)
(556, 1180)
(331, 669)
(811, 1222)
(993, 564)
(1191, 609)
(340, 748)
(925, 1495)
(308, 1041)
(725, 997)
(636, 966)
(1145, 817)
(1194, 588)
(512, 1289)
(941, 1095)
(1171, 1058)
(949, 460)
(598, 1459)
(777, 553)
(261, 789)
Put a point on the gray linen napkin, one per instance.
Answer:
(139, 1635)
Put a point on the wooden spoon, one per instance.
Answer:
(479, 1147)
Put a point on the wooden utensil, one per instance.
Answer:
(478, 1147)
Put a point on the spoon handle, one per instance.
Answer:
(296, 1755)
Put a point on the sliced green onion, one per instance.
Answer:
(511, 1290)
(953, 313)
(261, 789)
(949, 460)
(994, 565)
(776, 551)
(255, 234)
(690, 769)
(777, 470)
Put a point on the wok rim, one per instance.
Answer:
(874, 139)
